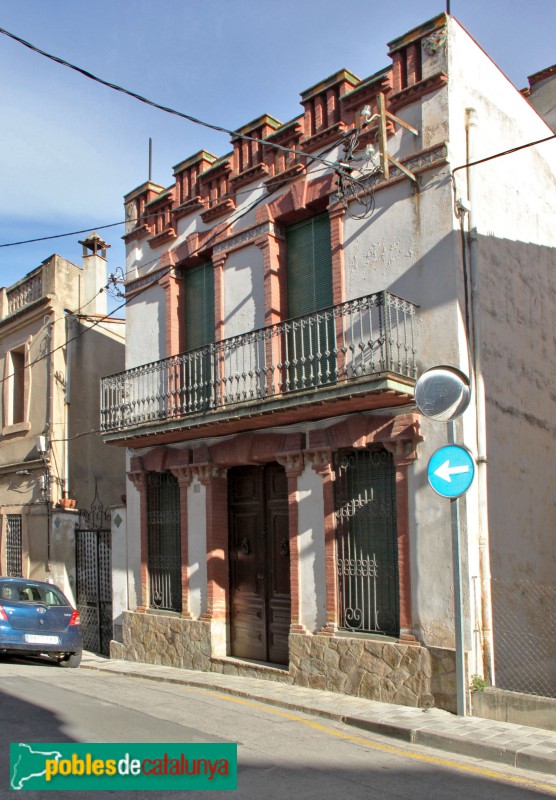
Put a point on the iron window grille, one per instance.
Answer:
(164, 541)
(14, 546)
(366, 539)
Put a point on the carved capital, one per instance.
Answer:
(320, 460)
(183, 474)
(403, 450)
(138, 479)
(206, 472)
(293, 463)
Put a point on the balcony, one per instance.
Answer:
(354, 356)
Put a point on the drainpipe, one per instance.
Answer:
(46, 451)
(67, 400)
(480, 411)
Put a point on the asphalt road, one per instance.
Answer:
(281, 754)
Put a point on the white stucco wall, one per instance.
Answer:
(120, 572)
(146, 327)
(133, 542)
(311, 550)
(243, 291)
(197, 547)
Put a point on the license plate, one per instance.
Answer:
(33, 638)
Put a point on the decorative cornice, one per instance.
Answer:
(249, 175)
(245, 237)
(218, 210)
(193, 204)
(165, 236)
(323, 137)
(283, 177)
(138, 283)
(139, 232)
(417, 91)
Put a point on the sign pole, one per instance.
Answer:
(458, 598)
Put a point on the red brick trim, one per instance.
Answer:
(218, 262)
(175, 329)
(216, 485)
(273, 246)
(184, 476)
(337, 213)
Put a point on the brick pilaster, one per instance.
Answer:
(275, 300)
(184, 476)
(175, 336)
(215, 481)
(218, 262)
(404, 455)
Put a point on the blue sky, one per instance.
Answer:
(71, 148)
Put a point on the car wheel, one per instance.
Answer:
(71, 661)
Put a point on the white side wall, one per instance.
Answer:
(197, 544)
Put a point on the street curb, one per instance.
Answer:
(456, 745)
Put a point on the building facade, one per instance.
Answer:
(282, 301)
(55, 345)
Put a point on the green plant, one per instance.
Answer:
(477, 683)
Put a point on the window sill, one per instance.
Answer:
(18, 427)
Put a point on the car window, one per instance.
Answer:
(27, 592)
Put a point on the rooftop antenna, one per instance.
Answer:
(150, 159)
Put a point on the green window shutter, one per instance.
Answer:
(309, 266)
(199, 306)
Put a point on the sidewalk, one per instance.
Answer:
(501, 742)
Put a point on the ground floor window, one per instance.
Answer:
(13, 546)
(367, 548)
(164, 541)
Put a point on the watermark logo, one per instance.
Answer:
(40, 766)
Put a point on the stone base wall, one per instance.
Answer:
(385, 671)
(168, 640)
(391, 672)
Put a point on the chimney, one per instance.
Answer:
(94, 275)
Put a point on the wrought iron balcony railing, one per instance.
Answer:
(340, 344)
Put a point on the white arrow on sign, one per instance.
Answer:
(445, 471)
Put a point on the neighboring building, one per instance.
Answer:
(541, 93)
(278, 506)
(55, 344)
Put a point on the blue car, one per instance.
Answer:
(36, 618)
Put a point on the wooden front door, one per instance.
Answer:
(259, 563)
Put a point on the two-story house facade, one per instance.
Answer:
(56, 342)
(282, 301)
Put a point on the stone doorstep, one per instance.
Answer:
(255, 669)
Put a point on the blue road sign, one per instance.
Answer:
(451, 471)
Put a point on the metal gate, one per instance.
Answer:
(93, 563)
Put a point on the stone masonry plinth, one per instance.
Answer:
(375, 669)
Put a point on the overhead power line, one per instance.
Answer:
(167, 109)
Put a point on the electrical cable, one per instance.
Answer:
(166, 109)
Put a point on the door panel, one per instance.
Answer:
(259, 563)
